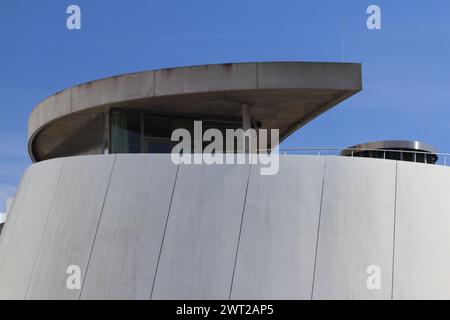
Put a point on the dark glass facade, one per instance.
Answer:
(141, 132)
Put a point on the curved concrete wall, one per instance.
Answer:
(140, 227)
(281, 95)
(194, 80)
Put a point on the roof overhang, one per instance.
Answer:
(281, 95)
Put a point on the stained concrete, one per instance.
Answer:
(310, 231)
(279, 232)
(200, 242)
(279, 95)
(356, 228)
(112, 90)
(220, 77)
(422, 243)
(17, 289)
(130, 233)
(31, 219)
(309, 75)
(72, 225)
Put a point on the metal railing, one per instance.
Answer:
(403, 155)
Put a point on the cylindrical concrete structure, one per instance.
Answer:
(138, 226)
(219, 232)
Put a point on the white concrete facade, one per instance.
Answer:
(140, 227)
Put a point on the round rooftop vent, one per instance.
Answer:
(413, 151)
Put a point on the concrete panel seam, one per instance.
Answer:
(393, 238)
(98, 225)
(44, 230)
(240, 231)
(164, 232)
(15, 212)
(318, 227)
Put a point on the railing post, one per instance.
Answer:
(318, 152)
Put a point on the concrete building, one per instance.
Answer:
(2, 221)
(103, 195)
(3, 215)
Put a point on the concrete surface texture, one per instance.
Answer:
(140, 227)
(279, 95)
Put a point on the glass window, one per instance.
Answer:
(156, 126)
(158, 132)
(136, 132)
(125, 132)
(155, 145)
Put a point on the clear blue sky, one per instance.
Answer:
(406, 68)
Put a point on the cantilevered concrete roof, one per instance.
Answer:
(284, 95)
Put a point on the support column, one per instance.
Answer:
(246, 124)
(246, 117)
(106, 133)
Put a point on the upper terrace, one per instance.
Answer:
(135, 113)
